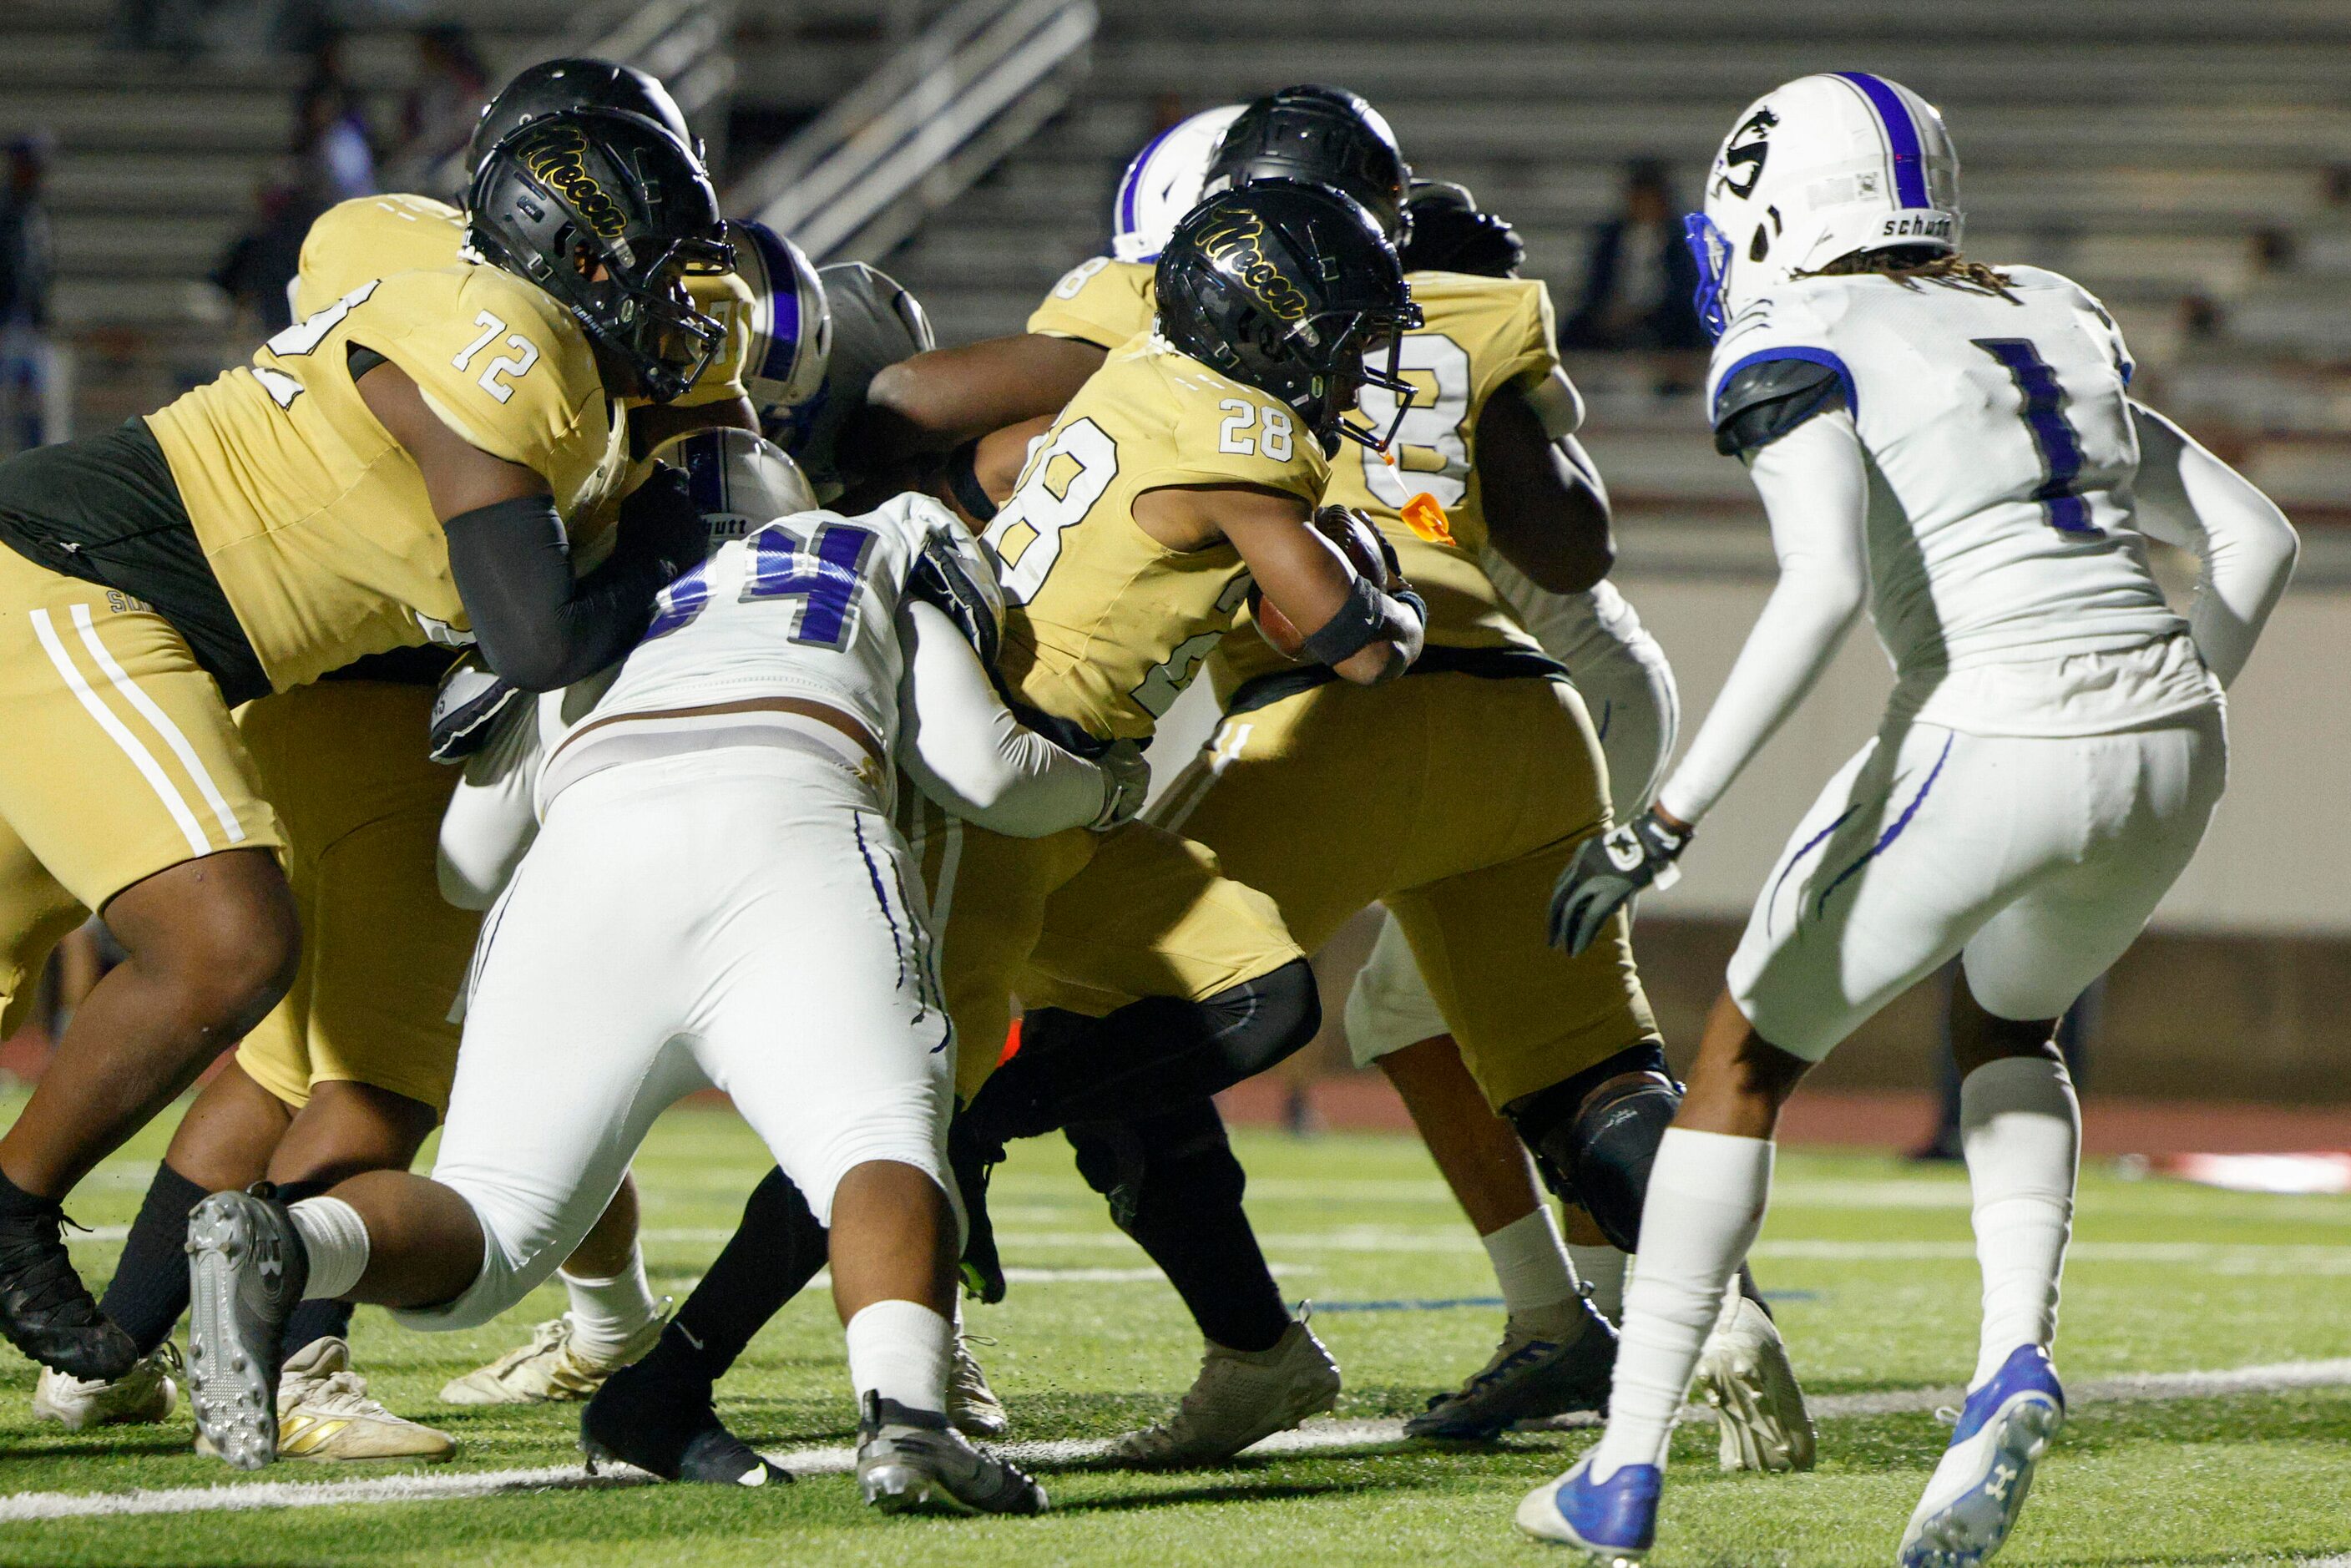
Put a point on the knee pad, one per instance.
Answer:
(1274, 1017)
(1179, 1156)
(1594, 1141)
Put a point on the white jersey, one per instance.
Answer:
(806, 606)
(2001, 455)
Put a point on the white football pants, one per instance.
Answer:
(2037, 861)
(1628, 688)
(747, 919)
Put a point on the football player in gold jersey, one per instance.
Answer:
(352, 1070)
(398, 469)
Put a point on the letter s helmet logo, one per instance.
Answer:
(1749, 146)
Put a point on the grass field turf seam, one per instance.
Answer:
(1869, 1257)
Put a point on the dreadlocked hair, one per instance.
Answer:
(1911, 265)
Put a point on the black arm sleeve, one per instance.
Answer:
(1764, 402)
(538, 626)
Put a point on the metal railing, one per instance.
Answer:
(685, 43)
(935, 116)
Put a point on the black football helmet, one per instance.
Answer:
(577, 83)
(583, 191)
(1283, 287)
(1450, 234)
(1324, 136)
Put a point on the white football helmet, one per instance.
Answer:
(1816, 170)
(1164, 182)
(791, 329)
(740, 482)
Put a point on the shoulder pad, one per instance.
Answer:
(1764, 399)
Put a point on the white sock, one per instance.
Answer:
(2021, 1130)
(1602, 1270)
(1530, 1263)
(607, 1313)
(336, 1239)
(1706, 1194)
(900, 1351)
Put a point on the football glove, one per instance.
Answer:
(1126, 780)
(1607, 872)
(466, 708)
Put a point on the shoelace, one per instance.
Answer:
(49, 1281)
(343, 1393)
(1949, 1415)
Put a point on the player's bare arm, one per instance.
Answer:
(1547, 517)
(1299, 572)
(945, 397)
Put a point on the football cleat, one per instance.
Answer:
(45, 1308)
(1614, 1519)
(1539, 1371)
(246, 1271)
(666, 1426)
(1239, 1397)
(324, 1412)
(911, 1461)
(972, 1406)
(551, 1368)
(1744, 1373)
(146, 1393)
(1975, 1494)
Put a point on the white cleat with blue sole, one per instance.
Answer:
(1977, 1490)
(1614, 1519)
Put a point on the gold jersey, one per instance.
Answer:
(375, 236)
(316, 523)
(1105, 624)
(1102, 302)
(1480, 335)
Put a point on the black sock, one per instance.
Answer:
(15, 1200)
(150, 1289)
(1158, 1051)
(1175, 1188)
(311, 1321)
(773, 1254)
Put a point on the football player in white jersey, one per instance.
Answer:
(1954, 447)
(717, 832)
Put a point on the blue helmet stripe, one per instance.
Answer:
(706, 474)
(777, 287)
(1132, 185)
(1901, 137)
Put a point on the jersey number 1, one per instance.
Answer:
(2045, 416)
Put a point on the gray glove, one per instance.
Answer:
(1126, 780)
(1607, 872)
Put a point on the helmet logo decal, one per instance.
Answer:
(1748, 146)
(556, 160)
(1237, 243)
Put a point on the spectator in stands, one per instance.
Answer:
(259, 264)
(437, 113)
(28, 263)
(1638, 276)
(330, 136)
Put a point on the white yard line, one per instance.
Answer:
(30, 1507)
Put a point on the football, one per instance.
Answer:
(1352, 537)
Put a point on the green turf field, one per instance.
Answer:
(1870, 1258)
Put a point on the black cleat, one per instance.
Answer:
(45, 1308)
(971, 1156)
(911, 1461)
(666, 1426)
(246, 1268)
